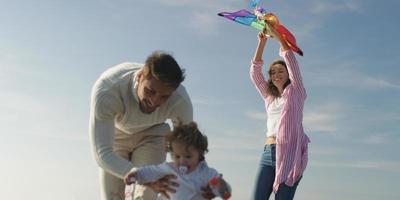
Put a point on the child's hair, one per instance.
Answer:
(188, 135)
(272, 89)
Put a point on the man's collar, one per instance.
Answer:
(135, 82)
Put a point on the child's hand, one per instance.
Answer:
(220, 187)
(207, 193)
(130, 178)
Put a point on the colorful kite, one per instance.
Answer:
(259, 20)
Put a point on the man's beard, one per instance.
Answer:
(145, 108)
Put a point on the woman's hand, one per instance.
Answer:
(279, 37)
(262, 36)
(262, 40)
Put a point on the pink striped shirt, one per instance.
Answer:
(292, 142)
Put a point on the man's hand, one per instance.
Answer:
(164, 185)
(207, 192)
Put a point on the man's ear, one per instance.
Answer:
(140, 75)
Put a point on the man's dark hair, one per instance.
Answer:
(164, 67)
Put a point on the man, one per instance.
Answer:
(129, 106)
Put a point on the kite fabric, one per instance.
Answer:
(248, 18)
(253, 4)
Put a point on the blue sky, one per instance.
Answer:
(51, 53)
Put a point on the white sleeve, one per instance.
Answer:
(182, 110)
(102, 135)
(151, 173)
(101, 130)
(211, 172)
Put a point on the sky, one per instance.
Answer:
(52, 51)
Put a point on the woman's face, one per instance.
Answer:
(279, 75)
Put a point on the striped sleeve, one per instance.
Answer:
(291, 152)
(293, 70)
(257, 78)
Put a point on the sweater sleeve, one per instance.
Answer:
(182, 110)
(101, 129)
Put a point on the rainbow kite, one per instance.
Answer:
(259, 20)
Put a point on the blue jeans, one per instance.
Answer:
(266, 178)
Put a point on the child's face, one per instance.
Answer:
(185, 156)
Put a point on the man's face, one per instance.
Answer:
(152, 93)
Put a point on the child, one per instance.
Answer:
(187, 146)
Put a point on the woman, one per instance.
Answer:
(285, 152)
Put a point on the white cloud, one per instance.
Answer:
(325, 7)
(9, 66)
(214, 101)
(46, 171)
(235, 144)
(196, 3)
(344, 74)
(41, 116)
(180, 2)
(307, 29)
(379, 83)
(234, 139)
(391, 166)
(223, 156)
(203, 20)
(18, 107)
(375, 139)
(381, 138)
(256, 115)
(323, 120)
(203, 23)
(326, 151)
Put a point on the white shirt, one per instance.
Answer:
(274, 114)
(189, 184)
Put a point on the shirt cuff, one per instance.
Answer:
(134, 169)
(283, 52)
(133, 179)
(257, 63)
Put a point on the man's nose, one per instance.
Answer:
(154, 101)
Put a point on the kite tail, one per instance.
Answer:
(291, 40)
